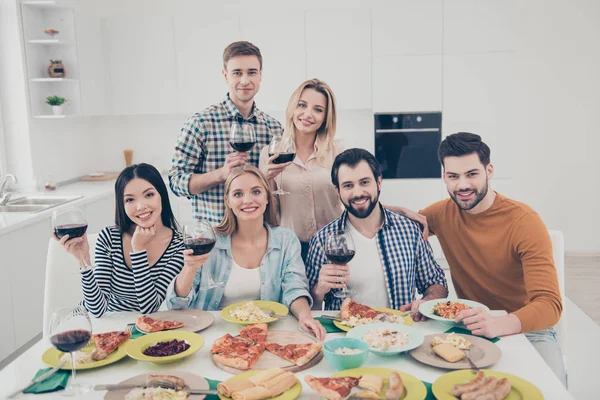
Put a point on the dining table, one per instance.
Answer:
(518, 358)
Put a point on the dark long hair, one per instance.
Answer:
(148, 173)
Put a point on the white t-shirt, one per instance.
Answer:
(367, 276)
(243, 284)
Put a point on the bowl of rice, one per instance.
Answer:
(345, 353)
(386, 339)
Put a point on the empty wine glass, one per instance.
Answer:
(70, 330)
(285, 147)
(200, 237)
(242, 136)
(340, 249)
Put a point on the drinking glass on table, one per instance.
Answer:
(340, 250)
(285, 148)
(70, 330)
(200, 237)
(242, 136)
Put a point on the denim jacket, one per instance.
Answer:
(282, 274)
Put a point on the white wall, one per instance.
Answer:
(525, 80)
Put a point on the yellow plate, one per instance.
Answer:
(290, 394)
(407, 319)
(277, 308)
(136, 347)
(414, 389)
(52, 357)
(521, 389)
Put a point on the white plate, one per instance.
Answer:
(427, 308)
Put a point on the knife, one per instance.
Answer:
(127, 387)
(325, 316)
(38, 379)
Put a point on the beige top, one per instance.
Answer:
(313, 201)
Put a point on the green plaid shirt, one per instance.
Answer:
(202, 146)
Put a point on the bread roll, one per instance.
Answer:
(280, 383)
(255, 393)
(265, 375)
(227, 388)
(371, 382)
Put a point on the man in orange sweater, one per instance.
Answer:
(499, 252)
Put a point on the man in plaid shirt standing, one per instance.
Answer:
(203, 156)
(392, 261)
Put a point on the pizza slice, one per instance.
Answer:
(299, 354)
(108, 342)
(350, 308)
(149, 324)
(332, 388)
(241, 355)
(257, 333)
(227, 342)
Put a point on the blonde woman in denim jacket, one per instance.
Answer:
(254, 259)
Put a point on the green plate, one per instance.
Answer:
(414, 389)
(277, 308)
(52, 357)
(290, 394)
(136, 347)
(521, 389)
(427, 308)
(407, 320)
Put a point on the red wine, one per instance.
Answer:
(71, 340)
(200, 246)
(242, 146)
(340, 257)
(73, 230)
(283, 158)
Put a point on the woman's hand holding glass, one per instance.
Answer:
(282, 151)
(192, 262)
(70, 226)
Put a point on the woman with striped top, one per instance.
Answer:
(138, 257)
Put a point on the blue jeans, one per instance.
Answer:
(546, 344)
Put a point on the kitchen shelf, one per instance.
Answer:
(54, 80)
(50, 116)
(47, 3)
(48, 42)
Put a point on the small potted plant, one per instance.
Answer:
(57, 104)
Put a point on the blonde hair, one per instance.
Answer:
(326, 132)
(229, 223)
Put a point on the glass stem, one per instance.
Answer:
(73, 373)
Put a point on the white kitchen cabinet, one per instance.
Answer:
(479, 97)
(201, 33)
(407, 27)
(407, 83)
(91, 50)
(280, 36)
(7, 336)
(141, 65)
(479, 26)
(338, 51)
(24, 265)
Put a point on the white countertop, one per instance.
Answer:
(90, 191)
(518, 358)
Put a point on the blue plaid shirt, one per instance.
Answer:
(406, 257)
(202, 146)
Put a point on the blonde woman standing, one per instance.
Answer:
(313, 202)
(255, 258)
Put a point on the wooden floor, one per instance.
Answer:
(582, 283)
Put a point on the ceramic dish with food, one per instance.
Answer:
(445, 310)
(166, 346)
(387, 339)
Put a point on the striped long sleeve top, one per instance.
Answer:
(113, 286)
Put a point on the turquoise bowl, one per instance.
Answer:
(345, 361)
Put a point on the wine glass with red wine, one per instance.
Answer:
(200, 237)
(69, 221)
(71, 330)
(340, 249)
(242, 136)
(285, 148)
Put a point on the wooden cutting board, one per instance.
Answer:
(108, 176)
(270, 360)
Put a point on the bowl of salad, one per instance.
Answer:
(386, 339)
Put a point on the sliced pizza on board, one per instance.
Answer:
(256, 333)
(299, 354)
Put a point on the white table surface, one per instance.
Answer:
(518, 358)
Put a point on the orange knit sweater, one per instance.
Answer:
(501, 258)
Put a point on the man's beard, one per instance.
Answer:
(365, 212)
(470, 204)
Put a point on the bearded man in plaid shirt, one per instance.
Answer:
(203, 156)
(392, 262)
